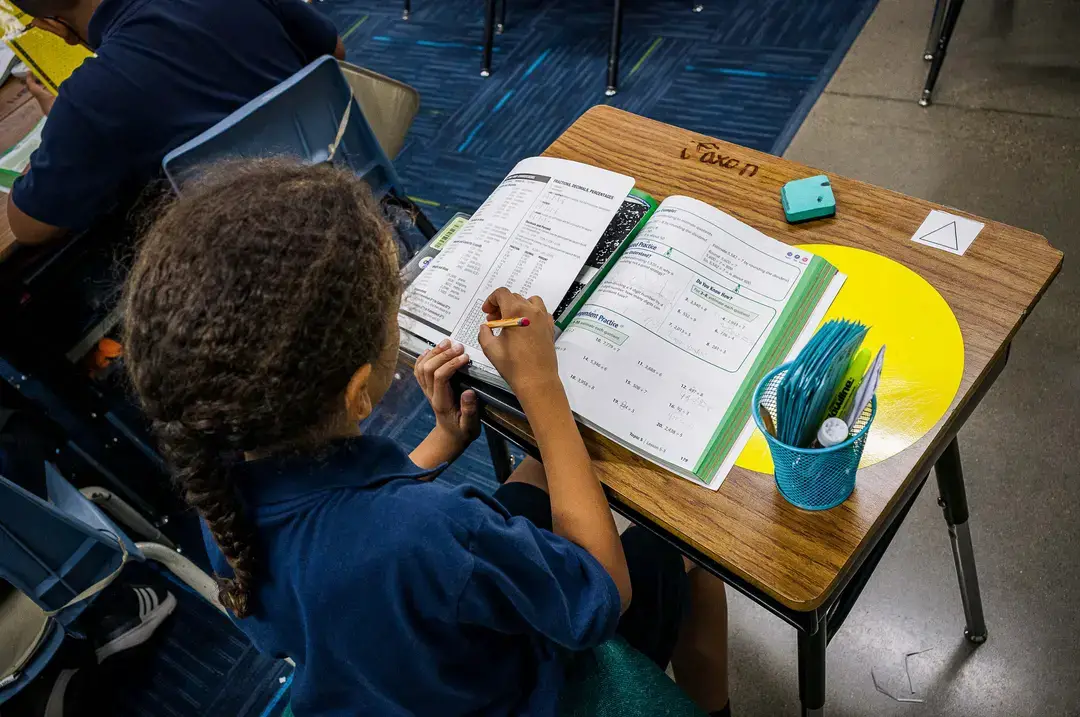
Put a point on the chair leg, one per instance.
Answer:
(489, 37)
(120, 511)
(501, 26)
(187, 571)
(613, 53)
(953, 501)
(812, 669)
(948, 24)
(407, 10)
(935, 29)
(500, 454)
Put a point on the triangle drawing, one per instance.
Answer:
(943, 236)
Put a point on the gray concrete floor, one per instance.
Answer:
(1002, 141)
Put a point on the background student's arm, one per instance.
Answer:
(76, 173)
(525, 357)
(27, 230)
(457, 421)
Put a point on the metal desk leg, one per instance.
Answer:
(407, 10)
(613, 53)
(948, 24)
(935, 29)
(500, 454)
(953, 501)
(502, 17)
(489, 37)
(812, 669)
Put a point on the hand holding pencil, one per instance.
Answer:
(524, 351)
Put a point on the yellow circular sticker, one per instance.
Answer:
(924, 355)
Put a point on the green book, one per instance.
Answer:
(669, 314)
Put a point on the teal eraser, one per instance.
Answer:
(809, 198)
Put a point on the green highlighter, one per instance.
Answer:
(841, 402)
(806, 199)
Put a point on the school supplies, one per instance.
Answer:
(48, 56)
(804, 393)
(665, 334)
(849, 384)
(507, 323)
(806, 199)
(819, 477)
(866, 388)
(766, 419)
(833, 431)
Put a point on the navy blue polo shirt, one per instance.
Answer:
(165, 71)
(397, 596)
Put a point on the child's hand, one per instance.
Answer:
(44, 98)
(524, 355)
(459, 422)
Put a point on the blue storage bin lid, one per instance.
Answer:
(299, 118)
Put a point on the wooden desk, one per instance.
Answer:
(19, 112)
(808, 567)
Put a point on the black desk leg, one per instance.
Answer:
(953, 501)
(613, 54)
(407, 11)
(935, 29)
(502, 17)
(948, 24)
(489, 37)
(500, 454)
(812, 669)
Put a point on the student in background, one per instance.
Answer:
(260, 329)
(165, 71)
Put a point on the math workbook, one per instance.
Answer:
(669, 314)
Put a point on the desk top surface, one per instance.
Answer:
(18, 115)
(799, 557)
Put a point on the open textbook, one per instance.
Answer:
(670, 315)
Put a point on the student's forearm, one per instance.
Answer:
(28, 230)
(437, 448)
(579, 509)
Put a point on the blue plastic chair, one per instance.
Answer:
(299, 118)
(59, 554)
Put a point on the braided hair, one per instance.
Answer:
(252, 301)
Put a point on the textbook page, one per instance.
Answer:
(532, 235)
(661, 354)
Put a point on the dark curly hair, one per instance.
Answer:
(252, 301)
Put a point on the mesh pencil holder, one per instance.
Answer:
(812, 478)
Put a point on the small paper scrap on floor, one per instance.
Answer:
(905, 691)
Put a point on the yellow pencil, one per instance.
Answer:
(507, 323)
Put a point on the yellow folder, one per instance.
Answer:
(49, 57)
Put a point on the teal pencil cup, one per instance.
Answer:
(812, 478)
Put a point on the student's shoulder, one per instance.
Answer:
(107, 85)
(406, 531)
(459, 509)
(410, 515)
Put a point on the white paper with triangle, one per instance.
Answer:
(942, 230)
